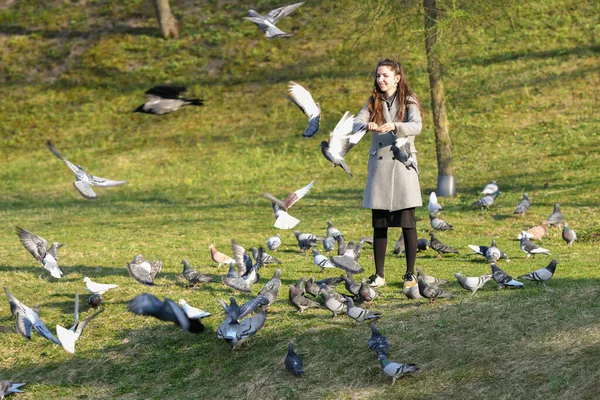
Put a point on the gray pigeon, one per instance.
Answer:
(431, 292)
(430, 280)
(28, 319)
(313, 288)
(304, 100)
(342, 246)
(556, 218)
(347, 264)
(95, 300)
(234, 281)
(321, 261)
(360, 314)
(331, 281)
(38, 247)
(542, 275)
(267, 22)
(274, 242)
(306, 240)
(523, 206)
(143, 270)
(241, 258)
(504, 279)
(412, 292)
(440, 247)
(341, 140)
(299, 301)
(351, 286)
(235, 328)
(271, 288)
(568, 235)
(403, 154)
(366, 292)
(486, 201)
(399, 247)
(8, 387)
(433, 206)
(472, 283)
(395, 370)
(165, 99)
(531, 248)
(192, 276)
(378, 343)
(293, 362)
(332, 304)
(422, 244)
(283, 220)
(439, 224)
(166, 310)
(329, 244)
(482, 251)
(266, 258)
(490, 188)
(332, 231)
(493, 253)
(84, 181)
(68, 337)
(237, 313)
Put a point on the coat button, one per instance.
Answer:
(381, 157)
(380, 144)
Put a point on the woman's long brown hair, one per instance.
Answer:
(402, 92)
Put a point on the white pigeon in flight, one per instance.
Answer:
(304, 100)
(267, 22)
(283, 220)
(341, 140)
(38, 247)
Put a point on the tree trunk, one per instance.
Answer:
(446, 184)
(166, 20)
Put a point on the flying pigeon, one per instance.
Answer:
(165, 99)
(167, 310)
(144, 271)
(8, 387)
(431, 292)
(490, 188)
(434, 207)
(240, 258)
(523, 206)
(332, 304)
(378, 343)
(395, 370)
(321, 261)
(440, 247)
(98, 288)
(347, 263)
(251, 276)
(299, 301)
(236, 313)
(271, 288)
(192, 276)
(266, 258)
(342, 246)
(331, 281)
(360, 314)
(293, 362)
(503, 279)
(68, 337)
(430, 280)
(556, 218)
(472, 283)
(235, 328)
(28, 319)
(537, 232)
(304, 100)
(283, 220)
(403, 154)
(486, 201)
(531, 248)
(219, 257)
(267, 22)
(568, 235)
(192, 312)
(439, 224)
(542, 275)
(84, 181)
(341, 140)
(235, 281)
(274, 242)
(38, 247)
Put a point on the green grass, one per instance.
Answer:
(521, 81)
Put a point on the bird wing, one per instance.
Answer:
(252, 305)
(24, 325)
(139, 273)
(278, 13)
(85, 190)
(238, 256)
(339, 138)
(76, 170)
(102, 182)
(303, 99)
(297, 195)
(166, 92)
(36, 245)
(275, 201)
(250, 326)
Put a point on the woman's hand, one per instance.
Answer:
(389, 126)
(372, 126)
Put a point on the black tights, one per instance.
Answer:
(380, 248)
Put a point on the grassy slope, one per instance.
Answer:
(521, 84)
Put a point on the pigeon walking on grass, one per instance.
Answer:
(439, 224)
(503, 279)
(422, 244)
(235, 281)
(298, 300)
(360, 314)
(395, 370)
(440, 247)
(84, 181)
(98, 288)
(556, 218)
(267, 22)
(542, 275)
(430, 280)
(165, 99)
(306, 240)
(431, 292)
(486, 201)
(472, 283)
(366, 292)
(568, 235)
(304, 100)
(274, 242)
(144, 271)
(192, 276)
(266, 258)
(523, 206)
(378, 343)
(283, 220)
(219, 257)
(293, 362)
(332, 304)
(192, 312)
(38, 247)
(535, 233)
(8, 387)
(490, 188)
(493, 253)
(68, 337)
(271, 288)
(321, 261)
(531, 248)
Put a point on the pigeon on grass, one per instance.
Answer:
(166, 310)
(556, 218)
(440, 247)
(523, 206)
(568, 235)
(8, 387)
(266, 258)
(490, 188)
(332, 304)
(143, 270)
(395, 370)
(293, 362)
(271, 288)
(192, 276)
(433, 206)
(542, 275)
(430, 280)
(360, 314)
(165, 99)
(377, 342)
(439, 224)
(298, 300)
(237, 326)
(503, 279)
(321, 261)
(530, 248)
(431, 292)
(192, 312)
(98, 288)
(274, 242)
(219, 257)
(38, 247)
(486, 201)
(535, 233)
(84, 181)
(472, 283)
(235, 281)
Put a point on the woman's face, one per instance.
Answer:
(387, 80)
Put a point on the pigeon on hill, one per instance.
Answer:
(422, 244)
(144, 271)
(430, 280)
(84, 181)
(219, 257)
(274, 242)
(38, 247)
(167, 310)
(490, 188)
(531, 248)
(431, 292)
(235, 281)
(395, 370)
(486, 201)
(271, 288)
(192, 312)
(8, 387)
(283, 220)
(332, 304)
(568, 235)
(493, 253)
(164, 99)
(237, 326)
(329, 244)
(304, 100)
(542, 275)
(378, 343)
(321, 261)
(27, 319)
(266, 258)
(267, 22)
(332, 231)
(537, 232)
(503, 279)
(98, 288)
(482, 251)
(403, 154)
(192, 276)
(366, 292)
(556, 218)
(68, 337)
(306, 240)
(472, 283)
(293, 362)
(433, 206)
(523, 206)
(341, 140)
(95, 300)
(439, 224)
(298, 300)
(360, 314)
(440, 247)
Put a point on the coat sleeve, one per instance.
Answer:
(413, 125)
(361, 119)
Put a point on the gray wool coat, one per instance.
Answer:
(390, 185)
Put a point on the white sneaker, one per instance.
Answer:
(376, 281)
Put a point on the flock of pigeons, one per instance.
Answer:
(242, 322)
